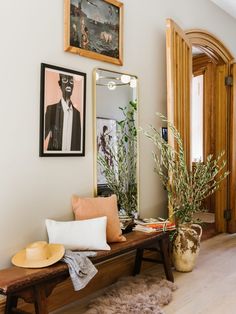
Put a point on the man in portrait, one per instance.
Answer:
(62, 120)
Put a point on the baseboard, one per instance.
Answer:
(108, 273)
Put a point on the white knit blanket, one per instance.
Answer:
(81, 269)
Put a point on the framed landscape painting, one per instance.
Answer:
(62, 111)
(94, 29)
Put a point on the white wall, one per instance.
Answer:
(31, 32)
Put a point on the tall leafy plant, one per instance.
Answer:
(121, 176)
(186, 188)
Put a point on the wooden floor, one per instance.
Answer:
(209, 289)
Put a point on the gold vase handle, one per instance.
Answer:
(199, 228)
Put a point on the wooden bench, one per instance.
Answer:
(35, 285)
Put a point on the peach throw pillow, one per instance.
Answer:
(86, 208)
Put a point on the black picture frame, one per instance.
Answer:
(56, 113)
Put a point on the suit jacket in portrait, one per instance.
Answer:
(54, 126)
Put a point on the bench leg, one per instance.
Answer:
(11, 303)
(40, 303)
(138, 261)
(164, 248)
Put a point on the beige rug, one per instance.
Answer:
(134, 295)
(205, 217)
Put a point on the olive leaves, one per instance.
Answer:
(186, 188)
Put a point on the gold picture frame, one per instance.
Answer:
(94, 29)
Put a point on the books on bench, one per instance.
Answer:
(153, 225)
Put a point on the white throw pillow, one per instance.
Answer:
(87, 234)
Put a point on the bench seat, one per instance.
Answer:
(35, 285)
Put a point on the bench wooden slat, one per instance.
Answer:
(16, 278)
(135, 239)
(25, 282)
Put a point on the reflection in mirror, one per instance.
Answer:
(197, 119)
(116, 138)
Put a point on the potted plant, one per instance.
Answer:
(186, 190)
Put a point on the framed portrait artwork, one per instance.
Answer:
(94, 29)
(62, 111)
(106, 146)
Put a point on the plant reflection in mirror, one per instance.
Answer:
(186, 188)
(121, 175)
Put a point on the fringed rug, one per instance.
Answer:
(134, 295)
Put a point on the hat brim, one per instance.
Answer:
(57, 251)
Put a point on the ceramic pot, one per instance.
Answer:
(186, 247)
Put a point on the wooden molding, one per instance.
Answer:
(232, 175)
(222, 110)
(221, 107)
(210, 45)
(179, 73)
(200, 63)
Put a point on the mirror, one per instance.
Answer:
(115, 138)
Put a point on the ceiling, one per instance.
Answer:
(228, 6)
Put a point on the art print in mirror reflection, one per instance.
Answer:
(106, 138)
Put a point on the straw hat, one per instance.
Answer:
(38, 254)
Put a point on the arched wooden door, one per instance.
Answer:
(179, 77)
(224, 137)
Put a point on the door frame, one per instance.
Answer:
(215, 49)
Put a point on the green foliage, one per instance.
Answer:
(121, 176)
(186, 188)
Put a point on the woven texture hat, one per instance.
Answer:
(38, 254)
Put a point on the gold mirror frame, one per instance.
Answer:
(95, 190)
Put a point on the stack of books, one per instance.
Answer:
(153, 225)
